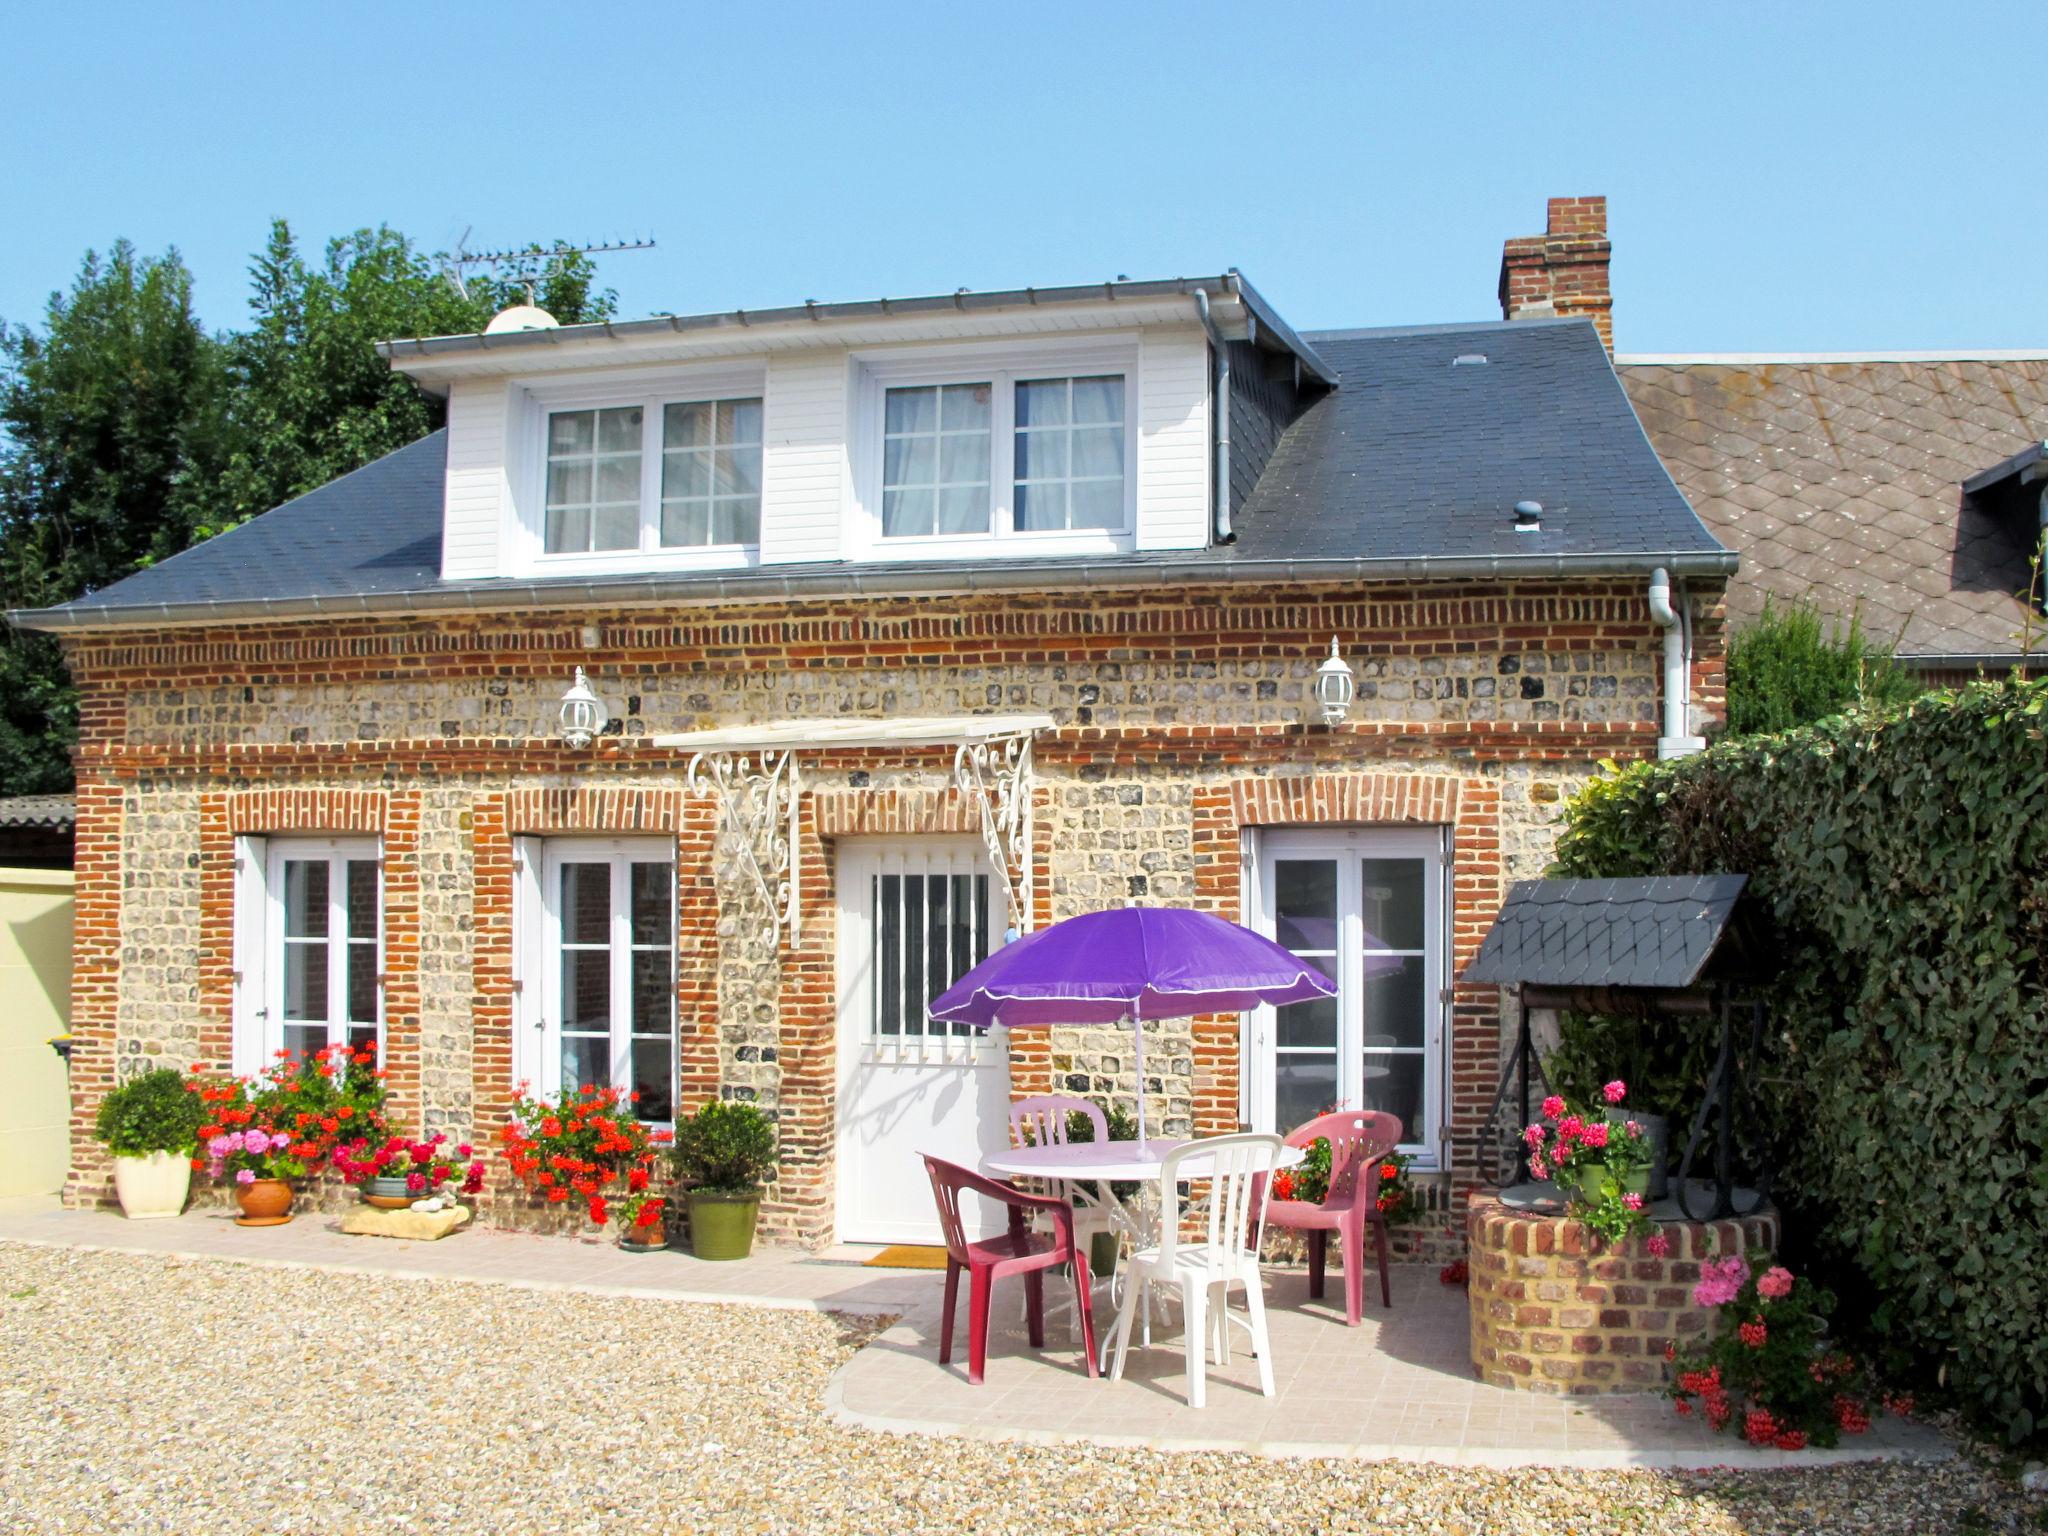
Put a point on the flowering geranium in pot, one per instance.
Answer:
(724, 1151)
(582, 1144)
(261, 1161)
(1767, 1369)
(395, 1173)
(1599, 1160)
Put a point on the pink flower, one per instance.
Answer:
(1615, 1091)
(1533, 1136)
(1569, 1128)
(1538, 1167)
(244, 1176)
(1775, 1283)
(1721, 1281)
(1553, 1107)
(1595, 1135)
(1659, 1246)
(1632, 1200)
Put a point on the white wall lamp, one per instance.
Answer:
(583, 714)
(1334, 687)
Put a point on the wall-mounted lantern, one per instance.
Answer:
(583, 714)
(1334, 687)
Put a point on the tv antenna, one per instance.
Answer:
(458, 266)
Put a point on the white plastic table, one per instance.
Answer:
(1092, 1167)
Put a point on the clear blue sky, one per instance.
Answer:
(1800, 176)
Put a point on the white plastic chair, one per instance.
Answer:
(1041, 1121)
(1203, 1273)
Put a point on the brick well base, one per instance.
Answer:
(1555, 1311)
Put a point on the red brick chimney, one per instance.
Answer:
(1562, 271)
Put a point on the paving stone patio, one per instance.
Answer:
(1399, 1386)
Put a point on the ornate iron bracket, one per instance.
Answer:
(1723, 1104)
(756, 836)
(996, 773)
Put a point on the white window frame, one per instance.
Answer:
(1348, 846)
(652, 393)
(861, 868)
(258, 1010)
(540, 1066)
(877, 372)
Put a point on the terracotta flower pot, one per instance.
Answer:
(265, 1203)
(644, 1239)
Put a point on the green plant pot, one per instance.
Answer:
(722, 1226)
(1586, 1183)
(1101, 1255)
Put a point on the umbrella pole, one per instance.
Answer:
(1139, 1024)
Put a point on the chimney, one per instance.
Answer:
(1562, 271)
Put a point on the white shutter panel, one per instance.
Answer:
(528, 966)
(251, 1026)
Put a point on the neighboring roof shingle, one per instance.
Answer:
(1415, 459)
(55, 811)
(1841, 482)
(1656, 932)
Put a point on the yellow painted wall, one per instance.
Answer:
(35, 1003)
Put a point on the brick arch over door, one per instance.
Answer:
(1468, 805)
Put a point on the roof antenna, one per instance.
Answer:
(456, 266)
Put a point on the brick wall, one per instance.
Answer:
(1178, 719)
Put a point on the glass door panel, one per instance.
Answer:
(608, 1013)
(1307, 1036)
(1393, 988)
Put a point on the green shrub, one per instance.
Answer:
(156, 1112)
(1789, 668)
(1901, 857)
(726, 1148)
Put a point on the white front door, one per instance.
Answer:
(913, 918)
(1367, 908)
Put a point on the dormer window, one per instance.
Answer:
(651, 476)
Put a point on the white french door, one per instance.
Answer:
(1367, 908)
(323, 945)
(913, 918)
(607, 970)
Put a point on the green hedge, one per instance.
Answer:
(1902, 857)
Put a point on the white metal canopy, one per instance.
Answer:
(911, 731)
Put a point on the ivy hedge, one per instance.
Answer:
(1902, 858)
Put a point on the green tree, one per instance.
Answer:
(1789, 668)
(110, 418)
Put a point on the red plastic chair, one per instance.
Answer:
(1018, 1253)
(1358, 1140)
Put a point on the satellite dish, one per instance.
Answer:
(521, 317)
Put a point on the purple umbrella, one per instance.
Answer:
(1126, 966)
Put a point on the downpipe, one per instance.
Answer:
(1220, 522)
(1676, 739)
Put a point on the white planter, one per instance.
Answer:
(152, 1186)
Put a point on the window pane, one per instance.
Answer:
(586, 903)
(687, 425)
(963, 459)
(1042, 402)
(685, 474)
(586, 1061)
(1313, 1023)
(586, 989)
(618, 479)
(362, 1037)
(654, 1079)
(737, 520)
(362, 983)
(907, 513)
(569, 482)
(362, 898)
(305, 1039)
(1099, 451)
(964, 408)
(1394, 1000)
(1041, 455)
(888, 955)
(1303, 1087)
(910, 460)
(305, 981)
(739, 421)
(1098, 400)
(568, 529)
(1097, 504)
(654, 990)
(305, 899)
(615, 527)
(572, 432)
(915, 993)
(1394, 1084)
(686, 523)
(1305, 904)
(648, 884)
(618, 430)
(1041, 507)
(736, 469)
(911, 410)
(1392, 897)
(963, 509)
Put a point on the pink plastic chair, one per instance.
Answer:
(1017, 1253)
(1358, 1140)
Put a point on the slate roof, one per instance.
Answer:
(1841, 482)
(53, 811)
(1411, 467)
(1656, 932)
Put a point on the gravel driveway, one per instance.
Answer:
(143, 1394)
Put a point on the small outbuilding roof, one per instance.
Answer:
(1656, 932)
(52, 811)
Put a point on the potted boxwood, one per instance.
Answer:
(724, 1151)
(151, 1125)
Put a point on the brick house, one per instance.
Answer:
(915, 621)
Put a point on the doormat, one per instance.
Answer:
(907, 1256)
